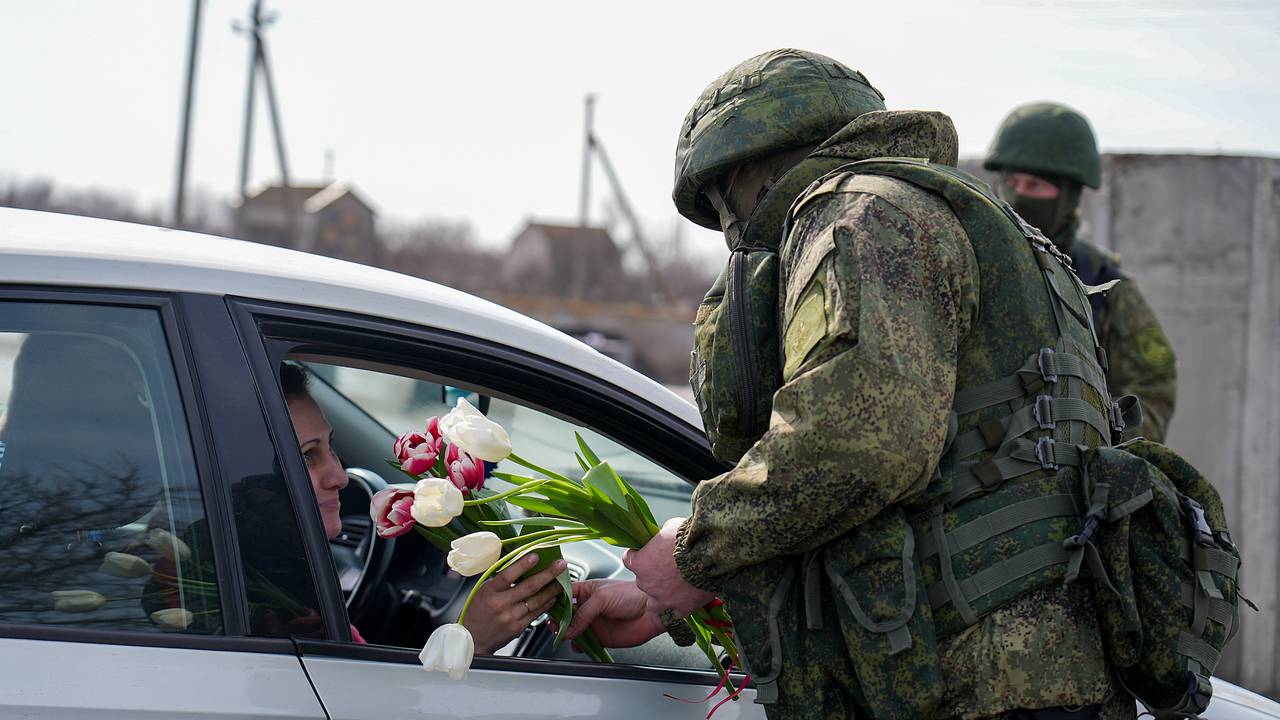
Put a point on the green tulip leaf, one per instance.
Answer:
(591, 457)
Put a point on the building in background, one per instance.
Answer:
(565, 261)
(332, 220)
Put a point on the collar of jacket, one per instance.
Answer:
(882, 133)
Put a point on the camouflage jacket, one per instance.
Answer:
(880, 288)
(1141, 359)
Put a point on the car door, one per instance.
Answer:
(372, 377)
(120, 592)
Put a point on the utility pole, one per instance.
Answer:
(592, 145)
(584, 199)
(258, 61)
(246, 140)
(179, 194)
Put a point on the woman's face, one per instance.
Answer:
(328, 476)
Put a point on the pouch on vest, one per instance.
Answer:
(735, 364)
(883, 605)
(1167, 573)
(871, 579)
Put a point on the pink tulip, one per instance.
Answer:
(390, 511)
(417, 452)
(466, 472)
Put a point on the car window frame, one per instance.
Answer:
(278, 330)
(178, 326)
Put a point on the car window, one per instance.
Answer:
(401, 404)
(101, 519)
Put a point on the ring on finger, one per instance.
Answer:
(528, 610)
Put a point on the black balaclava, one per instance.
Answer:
(1056, 218)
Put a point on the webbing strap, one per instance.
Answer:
(1045, 453)
(949, 589)
(1198, 651)
(1024, 456)
(1043, 414)
(1205, 608)
(766, 681)
(1002, 573)
(988, 394)
(1215, 560)
(908, 589)
(1001, 521)
(1042, 367)
(1062, 300)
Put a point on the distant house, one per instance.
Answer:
(330, 220)
(565, 261)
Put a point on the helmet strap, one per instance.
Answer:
(729, 222)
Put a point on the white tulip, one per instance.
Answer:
(173, 618)
(449, 650)
(163, 542)
(475, 434)
(436, 502)
(76, 601)
(125, 565)
(473, 554)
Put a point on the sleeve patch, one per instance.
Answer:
(1154, 348)
(807, 328)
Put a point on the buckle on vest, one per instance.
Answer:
(1043, 361)
(1117, 418)
(1198, 524)
(1044, 453)
(1042, 411)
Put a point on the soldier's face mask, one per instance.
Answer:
(1050, 205)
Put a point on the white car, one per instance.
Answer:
(161, 552)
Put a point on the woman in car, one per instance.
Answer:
(503, 607)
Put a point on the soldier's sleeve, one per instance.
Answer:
(876, 300)
(1140, 358)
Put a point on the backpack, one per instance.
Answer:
(1166, 573)
(735, 363)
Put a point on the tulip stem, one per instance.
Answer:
(553, 475)
(521, 540)
(518, 490)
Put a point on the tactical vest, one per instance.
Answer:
(1030, 392)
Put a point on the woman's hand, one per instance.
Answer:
(505, 605)
(620, 614)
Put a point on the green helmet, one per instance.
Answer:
(777, 101)
(1047, 139)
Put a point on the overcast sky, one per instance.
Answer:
(473, 110)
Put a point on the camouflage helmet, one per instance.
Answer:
(1047, 139)
(776, 101)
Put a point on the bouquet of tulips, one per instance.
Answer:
(449, 495)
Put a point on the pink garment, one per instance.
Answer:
(355, 635)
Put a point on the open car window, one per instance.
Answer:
(368, 408)
(401, 404)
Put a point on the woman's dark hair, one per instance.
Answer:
(294, 381)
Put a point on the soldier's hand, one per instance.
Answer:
(620, 614)
(654, 566)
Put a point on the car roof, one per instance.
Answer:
(65, 250)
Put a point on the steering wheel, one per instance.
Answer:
(359, 555)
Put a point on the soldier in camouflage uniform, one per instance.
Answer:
(880, 287)
(1045, 154)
